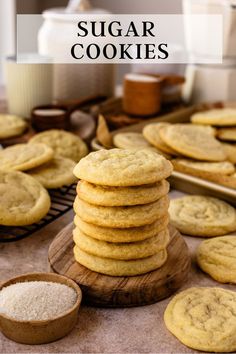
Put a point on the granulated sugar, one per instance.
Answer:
(36, 300)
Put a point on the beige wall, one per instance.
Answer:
(116, 6)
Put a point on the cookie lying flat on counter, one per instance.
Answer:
(121, 196)
(193, 141)
(115, 267)
(63, 143)
(22, 157)
(23, 200)
(217, 117)
(118, 235)
(204, 319)
(217, 257)
(125, 168)
(123, 251)
(202, 216)
(121, 217)
(11, 126)
(56, 173)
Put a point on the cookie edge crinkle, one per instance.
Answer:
(159, 169)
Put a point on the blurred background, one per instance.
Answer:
(9, 9)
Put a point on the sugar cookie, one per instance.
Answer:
(63, 143)
(217, 257)
(123, 251)
(132, 234)
(202, 216)
(120, 267)
(204, 319)
(11, 126)
(56, 173)
(23, 200)
(125, 168)
(121, 217)
(121, 196)
(22, 157)
(217, 117)
(191, 141)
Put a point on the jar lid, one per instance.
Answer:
(74, 7)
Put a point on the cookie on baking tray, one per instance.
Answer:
(118, 235)
(123, 251)
(23, 200)
(11, 126)
(203, 319)
(220, 168)
(219, 178)
(63, 143)
(135, 141)
(22, 157)
(193, 141)
(56, 173)
(230, 150)
(121, 196)
(217, 117)
(202, 216)
(151, 132)
(130, 140)
(121, 217)
(115, 267)
(117, 167)
(227, 134)
(217, 257)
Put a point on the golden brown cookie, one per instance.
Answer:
(217, 257)
(191, 141)
(123, 251)
(130, 140)
(151, 132)
(63, 143)
(202, 216)
(115, 267)
(227, 134)
(121, 196)
(23, 200)
(131, 234)
(22, 157)
(56, 173)
(220, 168)
(121, 217)
(224, 180)
(11, 126)
(230, 150)
(217, 117)
(123, 168)
(204, 319)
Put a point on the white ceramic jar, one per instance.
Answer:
(210, 83)
(73, 81)
(226, 8)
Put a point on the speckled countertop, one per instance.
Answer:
(133, 330)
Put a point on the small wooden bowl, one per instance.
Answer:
(41, 332)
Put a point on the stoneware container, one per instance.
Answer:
(40, 332)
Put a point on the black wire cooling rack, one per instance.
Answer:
(61, 202)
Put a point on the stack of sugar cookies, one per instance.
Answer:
(122, 211)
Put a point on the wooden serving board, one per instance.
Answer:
(106, 291)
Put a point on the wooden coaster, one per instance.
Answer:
(106, 291)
